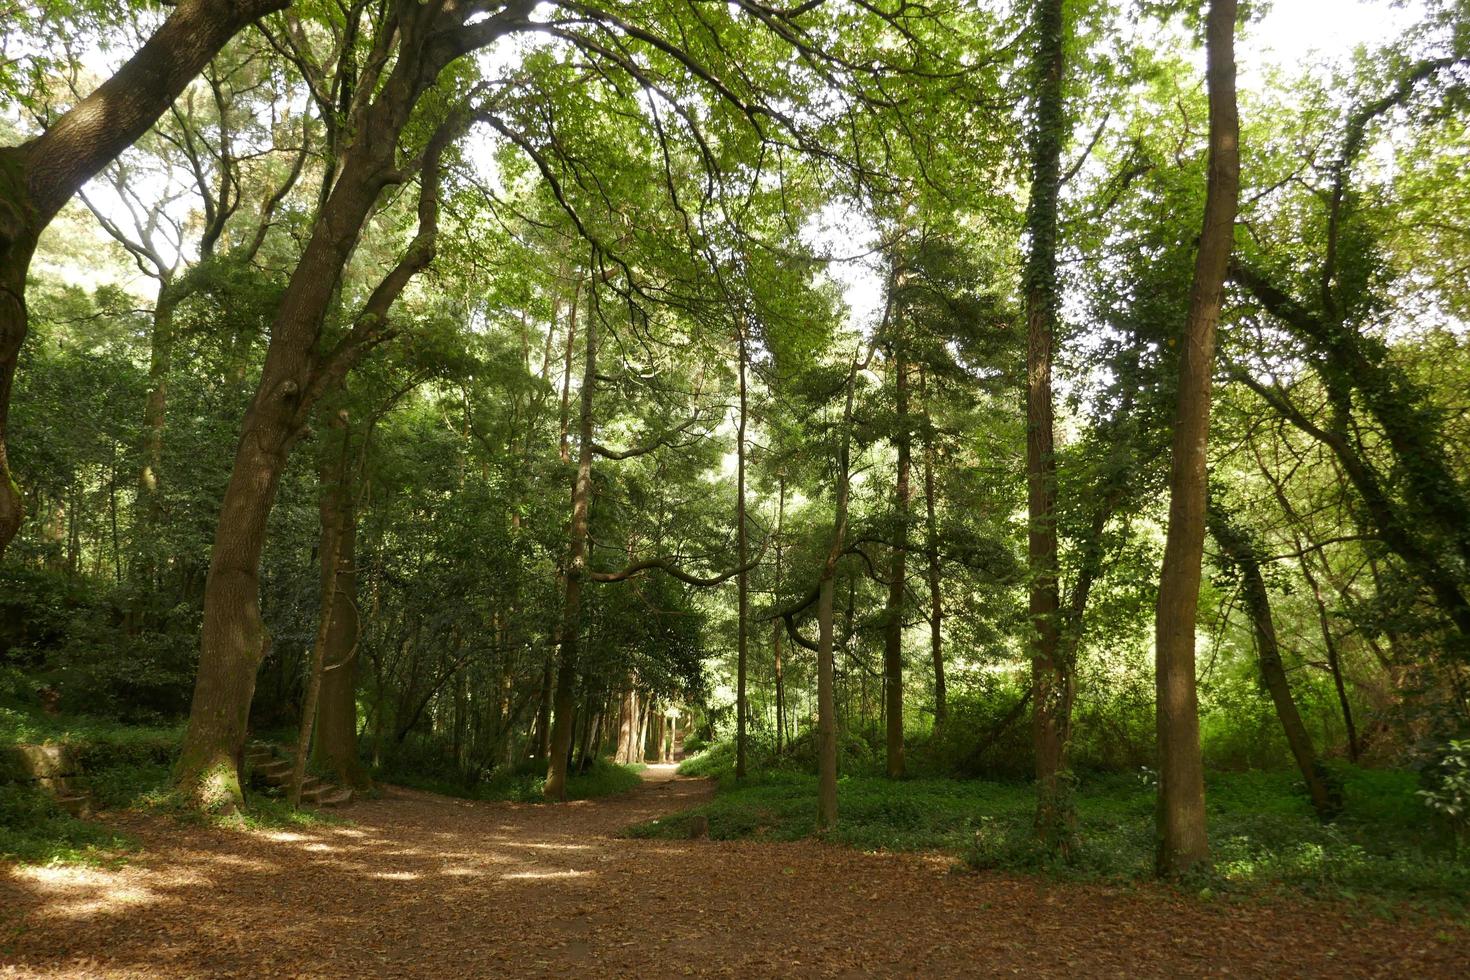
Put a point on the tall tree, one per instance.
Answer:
(1183, 842)
(1051, 678)
(39, 176)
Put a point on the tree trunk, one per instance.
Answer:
(645, 717)
(627, 715)
(1243, 553)
(776, 625)
(742, 706)
(1051, 676)
(1183, 842)
(541, 742)
(826, 673)
(931, 550)
(333, 478)
(149, 507)
(335, 750)
(295, 375)
(1334, 662)
(576, 572)
(897, 571)
(826, 712)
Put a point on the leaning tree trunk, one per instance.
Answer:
(37, 178)
(1244, 554)
(234, 638)
(893, 613)
(576, 573)
(1183, 842)
(1051, 675)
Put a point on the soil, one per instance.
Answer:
(424, 885)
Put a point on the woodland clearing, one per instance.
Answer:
(423, 885)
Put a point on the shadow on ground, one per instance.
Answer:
(425, 885)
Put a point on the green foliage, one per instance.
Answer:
(1446, 792)
(35, 830)
(601, 778)
(1262, 829)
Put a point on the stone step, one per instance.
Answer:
(283, 781)
(276, 768)
(337, 797)
(317, 791)
(79, 805)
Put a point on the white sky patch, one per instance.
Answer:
(1292, 34)
(1317, 32)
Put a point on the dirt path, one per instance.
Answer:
(421, 885)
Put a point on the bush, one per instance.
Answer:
(1446, 789)
(35, 830)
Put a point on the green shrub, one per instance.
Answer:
(35, 830)
(1263, 832)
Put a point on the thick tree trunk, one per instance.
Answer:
(295, 375)
(742, 706)
(332, 479)
(1182, 837)
(897, 571)
(1243, 553)
(627, 716)
(1051, 675)
(335, 748)
(40, 176)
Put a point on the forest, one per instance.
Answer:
(530, 460)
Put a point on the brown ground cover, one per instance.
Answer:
(423, 885)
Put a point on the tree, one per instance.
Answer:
(39, 176)
(1182, 840)
(1052, 681)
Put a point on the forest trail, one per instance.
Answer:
(424, 885)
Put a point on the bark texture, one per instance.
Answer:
(298, 371)
(1183, 842)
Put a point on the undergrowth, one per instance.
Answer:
(602, 778)
(126, 767)
(1382, 851)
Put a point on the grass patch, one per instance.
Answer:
(35, 830)
(1382, 851)
(604, 778)
(126, 767)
